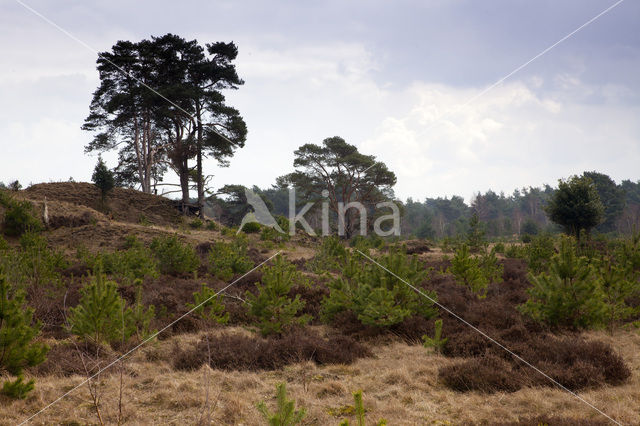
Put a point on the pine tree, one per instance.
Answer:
(468, 272)
(286, 413)
(618, 284)
(569, 294)
(17, 331)
(101, 315)
(103, 178)
(436, 342)
(272, 306)
(376, 295)
(208, 306)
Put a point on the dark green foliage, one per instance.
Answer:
(18, 217)
(208, 306)
(229, 259)
(103, 178)
(376, 296)
(436, 342)
(271, 234)
(212, 226)
(142, 316)
(476, 234)
(576, 205)
(569, 294)
(331, 255)
(272, 307)
(251, 228)
(136, 262)
(101, 316)
(475, 272)
(174, 257)
(286, 413)
(612, 197)
(17, 389)
(17, 332)
(196, 223)
(618, 283)
(530, 227)
(539, 252)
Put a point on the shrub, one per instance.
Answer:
(436, 342)
(103, 178)
(569, 294)
(486, 374)
(18, 217)
(359, 411)
(526, 238)
(142, 316)
(17, 331)
(228, 259)
(137, 262)
(208, 306)
(174, 257)
(468, 271)
(196, 223)
(272, 307)
(330, 256)
(286, 413)
(539, 252)
(271, 234)
(476, 234)
(212, 226)
(251, 228)
(618, 284)
(376, 296)
(39, 264)
(101, 317)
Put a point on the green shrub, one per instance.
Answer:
(539, 252)
(174, 257)
(196, 223)
(516, 251)
(568, 294)
(17, 332)
(468, 271)
(499, 247)
(212, 226)
(436, 342)
(142, 315)
(286, 413)
(251, 228)
(376, 296)
(331, 255)
(103, 178)
(101, 316)
(228, 259)
(208, 306)
(619, 284)
(18, 217)
(526, 238)
(271, 234)
(272, 307)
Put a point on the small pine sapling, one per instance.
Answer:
(17, 332)
(142, 316)
(619, 285)
(272, 307)
(436, 342)
(207, 305)
(468, 272)
(358, 405)
(100, 315)
(286, 413)
(103, 178)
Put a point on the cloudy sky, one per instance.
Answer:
(403, 80)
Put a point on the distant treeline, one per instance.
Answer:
(501, 215)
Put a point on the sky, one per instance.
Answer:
(411, 82)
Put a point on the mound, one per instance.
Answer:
(125, 205)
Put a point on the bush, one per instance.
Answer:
(286, 413)
(272, 307)
(271, 234)
(228, 259)
(208, 306)
(486, 374)
(174, 257)
(331, 255)
(196, 223)
(251, 228)
(376, 296)
(101, 317)
(539, 252)
(212, 226)
(18, 217)
(468, 271)
(17, 332)
(569, 294)
(103, 178)
(137, 262)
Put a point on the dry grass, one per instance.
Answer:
(399, 383)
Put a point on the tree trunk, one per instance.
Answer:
(200, 177)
